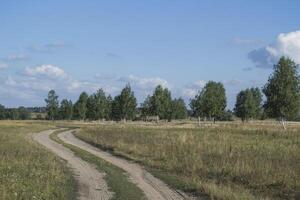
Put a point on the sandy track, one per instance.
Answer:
(153, 188)
(91, 184)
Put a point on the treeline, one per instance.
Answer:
(20, 113)
(100, 106)
(281, 94)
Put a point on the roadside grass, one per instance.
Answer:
(27, 170)
(218, 162)
(115, 177)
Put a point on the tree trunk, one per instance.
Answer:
(283, 123)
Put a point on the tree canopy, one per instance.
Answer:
(66, 109)
(159, 104)
(282, 90)
(248, 104)
(80, 107)
(179, 109)
(52, 105)
(124, 105)
(211, 101)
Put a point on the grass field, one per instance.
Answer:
(27, 170)
(222, 161)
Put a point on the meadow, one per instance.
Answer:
(220, 161)
(29, 171)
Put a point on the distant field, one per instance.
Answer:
(28, 171)
(222, 161)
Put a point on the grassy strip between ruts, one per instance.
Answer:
(115, 177)
(27, 170)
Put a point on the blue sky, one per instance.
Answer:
(72, 46)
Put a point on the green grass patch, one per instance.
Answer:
(29, 171)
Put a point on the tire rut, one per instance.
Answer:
(91, 183)
(153, 188)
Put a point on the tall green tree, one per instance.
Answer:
(12, 113)
(211, 101)
(257, 95)
(248, 104)
(98, 106)
(91, 105)
(145, 107)
(179, 109)
(23, 113)
(283, 91)
(66, 109)
(52, 105)
(109, 107)
(124, 105)
(2, 112)
(161, 103)
(80, 107)
(102, 105)
(194, 105)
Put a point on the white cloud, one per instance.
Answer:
(46, 70)
(286, 44)
(144, 83)
(190, 91)
(3, 65)
(32, 85)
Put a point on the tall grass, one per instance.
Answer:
(225, 162)
(28, 171)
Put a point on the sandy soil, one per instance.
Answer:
(90, 181)
(153, 188)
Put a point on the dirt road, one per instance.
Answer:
(91, 184)
(153, 188)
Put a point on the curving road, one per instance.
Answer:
(90, 181)
(153, 188)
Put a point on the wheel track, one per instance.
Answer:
(153, 188)
(91, 183)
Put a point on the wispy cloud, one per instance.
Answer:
(3, 65)
(233, 82)
(246, 41)
(144, 83)
(191, 90)
(247, 69)
(48, 48)
(105, 76)
(16, 57)
(112, 55)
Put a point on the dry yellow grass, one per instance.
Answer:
(223, 161)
